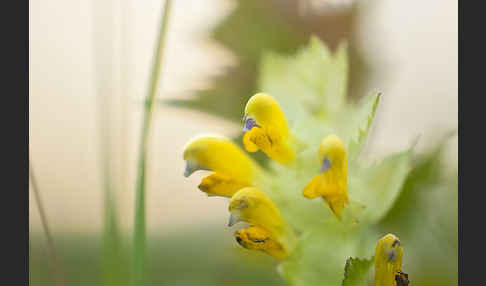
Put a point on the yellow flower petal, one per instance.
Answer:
(312, 190)
(258, 138)
(248, 143)
(254, 207)
(331, 185)
(220, 185)
(257, 238)
(337, 204)
(233, 169)
(388, 260)
(266, 129)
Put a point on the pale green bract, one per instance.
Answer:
(311, 89)
(357, 272)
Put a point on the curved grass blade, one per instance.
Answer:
(139, 246)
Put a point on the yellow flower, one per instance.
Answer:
(266, 129)
(388, 261)
(232, 168)
(331, 184)
(254, 207)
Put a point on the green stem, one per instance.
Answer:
(139, 249)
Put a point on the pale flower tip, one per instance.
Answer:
(192, 167)
(234, 218)
(188, 170)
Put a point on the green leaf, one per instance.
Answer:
(320, 256)
(427, 174)
(379, 185)
(421, 180)
(363, 117)
(311, 83)
(311, 88)
(357, 272)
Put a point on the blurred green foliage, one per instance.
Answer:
(425, 217)
(113, 261)
(255, 27)
(194, 257)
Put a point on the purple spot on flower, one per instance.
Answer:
(249, 124)
(326, 164)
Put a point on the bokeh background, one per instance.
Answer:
(90, 63)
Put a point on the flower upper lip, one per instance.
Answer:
(231, 168)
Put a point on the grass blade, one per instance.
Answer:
(139, 247)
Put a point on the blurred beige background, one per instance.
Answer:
(412, 43)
